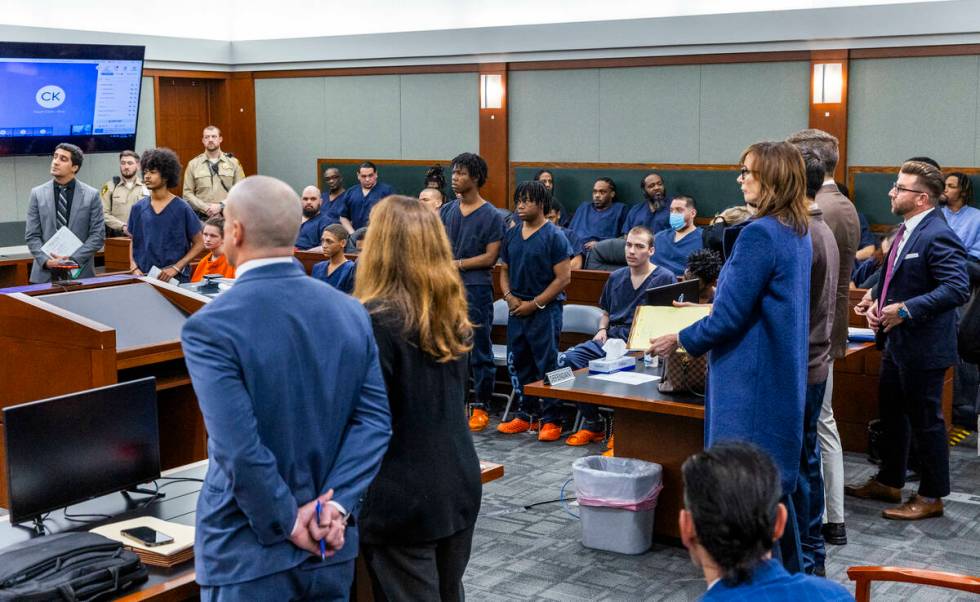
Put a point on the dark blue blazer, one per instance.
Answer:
(930, 278)
(771, 583)
(758, 339)
(294, 404)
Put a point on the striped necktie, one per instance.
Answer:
(62, 208)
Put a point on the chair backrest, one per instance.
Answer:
(608, 255)
(863, 576)
(580, 319)
(500, 313)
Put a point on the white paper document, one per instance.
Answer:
(64, 243)
(155, 273)
(627, 378)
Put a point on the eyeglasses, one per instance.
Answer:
(895, 186)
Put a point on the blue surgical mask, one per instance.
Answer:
(677, 221)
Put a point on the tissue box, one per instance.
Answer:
(605, 365)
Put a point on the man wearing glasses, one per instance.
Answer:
(913, 312)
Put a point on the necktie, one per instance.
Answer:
(62, 208)
(890, 266)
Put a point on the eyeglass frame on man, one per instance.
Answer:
(901, 189)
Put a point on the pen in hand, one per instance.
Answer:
(323, 545)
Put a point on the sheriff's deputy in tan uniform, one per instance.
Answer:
(210, 175)
(120, 194)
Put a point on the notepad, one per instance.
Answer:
(181, 550)
(651, 321)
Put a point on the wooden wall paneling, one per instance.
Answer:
(831, 117)
(182, 113)
(232, 108)
(494, 146)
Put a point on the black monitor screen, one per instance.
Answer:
(87, 95)
(68, 449)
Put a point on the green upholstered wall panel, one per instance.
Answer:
(554, 115)
(290, 128)
(649, 114)
(678, 114)
(439, 115)
(381, 116)
(899, 108)
(713, 190)
(748, 102)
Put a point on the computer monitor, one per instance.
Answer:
(68, 449)
(685, 290)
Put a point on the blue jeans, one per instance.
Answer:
(312, 580)
(808, 498)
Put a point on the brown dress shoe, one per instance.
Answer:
(873, 490)
(916, 508)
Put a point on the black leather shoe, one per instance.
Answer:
(820, 571)
(835, 534)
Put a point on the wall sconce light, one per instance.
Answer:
(491, 91)
(828, 83)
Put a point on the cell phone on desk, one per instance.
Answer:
(147, 536)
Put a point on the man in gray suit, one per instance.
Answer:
(64, 201)
(842, 218)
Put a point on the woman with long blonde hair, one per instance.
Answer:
(757, 334)
(416, 524)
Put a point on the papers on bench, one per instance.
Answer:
(652, 321)
(181, 550)
(64, 243)
(626, 378)
(860, 334)
(155, 273)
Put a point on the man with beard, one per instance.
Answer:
(600, 219)
(121, 192)
(210, 175)
(314, 220)
(654, 215)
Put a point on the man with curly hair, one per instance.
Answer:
(166, 232)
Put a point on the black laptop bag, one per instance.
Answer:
(68, 566)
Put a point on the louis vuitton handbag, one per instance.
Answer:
(684, 373)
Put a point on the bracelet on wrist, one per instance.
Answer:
(538, 305)
(507, 295)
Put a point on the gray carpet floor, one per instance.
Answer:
(536, 553)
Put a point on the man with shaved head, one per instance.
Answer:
(314, 220)
(293, 445)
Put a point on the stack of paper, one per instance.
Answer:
(652, 321)
(172, 554)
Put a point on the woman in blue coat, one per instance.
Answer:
(757, 333)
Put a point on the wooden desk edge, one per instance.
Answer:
(183, 585)
(626, 402)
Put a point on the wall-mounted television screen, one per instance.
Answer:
(85, 94)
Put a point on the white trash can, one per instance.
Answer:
(617, 499)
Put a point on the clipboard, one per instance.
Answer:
(652, 321)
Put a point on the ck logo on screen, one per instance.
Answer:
(50, 96)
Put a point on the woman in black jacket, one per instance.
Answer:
(416, 523)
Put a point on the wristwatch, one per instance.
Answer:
(903, 313)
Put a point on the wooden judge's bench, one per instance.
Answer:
(55, 341)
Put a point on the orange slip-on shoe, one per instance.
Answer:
(549, 432)
(479, 420)
(584, 437)
(512, 427)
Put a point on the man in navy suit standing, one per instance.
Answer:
(296, 412)
(913, 312)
